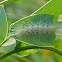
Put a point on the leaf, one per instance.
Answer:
(8, 46)
(53, 7)
(10, 41)
(25, 52)
(37, 30)
(7, 2)
(3, 24)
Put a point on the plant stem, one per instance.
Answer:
(31, 47)
(18, 57)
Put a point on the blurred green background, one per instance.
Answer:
(17, 10)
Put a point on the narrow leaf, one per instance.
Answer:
(53, 7)
(3, 24)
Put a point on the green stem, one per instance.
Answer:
(31, 47)
(18, 57)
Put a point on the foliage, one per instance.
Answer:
(40, 30)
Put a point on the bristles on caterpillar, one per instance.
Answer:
(37, 29)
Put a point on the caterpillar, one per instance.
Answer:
(37, 31)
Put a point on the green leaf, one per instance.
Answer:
(3, 24)
(25, 52)
(53, 7)
(37, 30)
(8, 46)
(7, 2)
(10, 41)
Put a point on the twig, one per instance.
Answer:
(31, 47)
